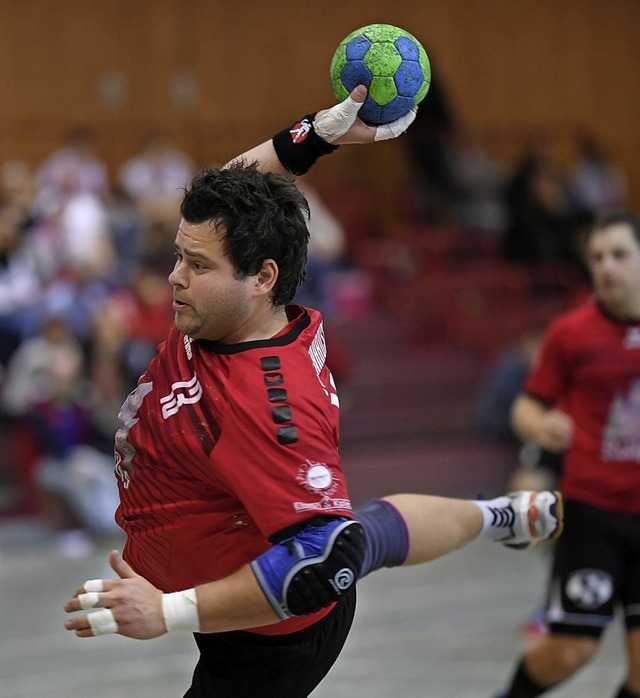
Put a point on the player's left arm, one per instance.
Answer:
(319, 134)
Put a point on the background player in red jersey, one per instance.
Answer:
(237, 514)
(582, 399)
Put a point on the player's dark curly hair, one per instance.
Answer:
(260, 215)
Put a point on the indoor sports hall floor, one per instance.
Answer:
(449, 629)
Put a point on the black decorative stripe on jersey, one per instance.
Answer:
(277, 394)
(287, 435)
(273, 379)
(270, 363)
(282, 413)
(279, 341)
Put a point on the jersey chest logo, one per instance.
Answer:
(182, 393)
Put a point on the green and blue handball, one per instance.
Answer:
(390, 62)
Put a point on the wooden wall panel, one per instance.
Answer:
(220, 74)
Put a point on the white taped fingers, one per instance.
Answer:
(102, 622)
(88, 600)
(94, 585)
(396, 128)
(337, 120)
(180, 611)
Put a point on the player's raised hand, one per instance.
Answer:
(341, 125)
(295, 149)
(129, 606)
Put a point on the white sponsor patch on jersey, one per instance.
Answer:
(182, 393)
(317, 478)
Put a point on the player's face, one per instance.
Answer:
(614, 260)
(210, 302)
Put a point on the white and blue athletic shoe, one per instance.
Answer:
(530, 518)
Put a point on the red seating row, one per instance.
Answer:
(449, 286)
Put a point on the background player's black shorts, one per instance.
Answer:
(596, 567)
(246, 665)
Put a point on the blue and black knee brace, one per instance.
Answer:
(312, 568)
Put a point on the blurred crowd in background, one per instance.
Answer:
(84, 299)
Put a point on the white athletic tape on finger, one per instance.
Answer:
(88, 600)
(102, 622)
(180, 611)
(397, 127)
(94, 585)
(338, 120)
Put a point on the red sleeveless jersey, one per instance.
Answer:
(590, 364)
(222, 446)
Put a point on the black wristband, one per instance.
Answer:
(299, 146)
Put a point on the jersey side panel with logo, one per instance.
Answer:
(592, 363)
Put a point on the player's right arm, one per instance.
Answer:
(547, 426)
(292, 152)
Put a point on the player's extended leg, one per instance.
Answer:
(412, 528)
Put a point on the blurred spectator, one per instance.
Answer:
(132, 321)
(157, 245)
(46, 390)
(46, 243)
(28, 377)
(326, 253)
(84, 266)
(597, 183)
(126, 225)
(17, 188)
(427, 142)
(502, 384)
(327, 276)
(72, 169)
(541, 220)
(86, 237)
(478, 180)
(74, 295)
(20, 284)
(536, 467)
(25, 380)
(155, 179)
